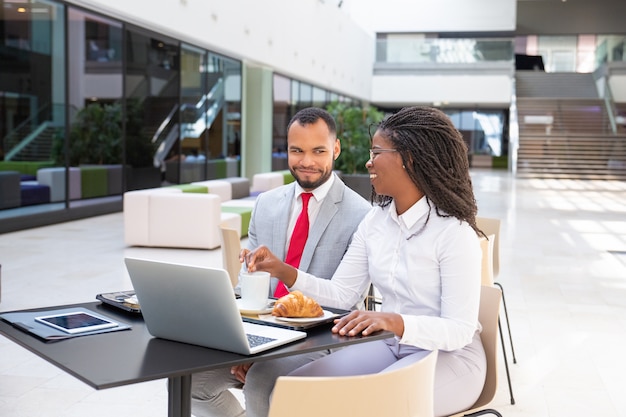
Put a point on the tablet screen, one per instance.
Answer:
(76, 322)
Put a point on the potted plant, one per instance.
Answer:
(353, 124)
(95, 137)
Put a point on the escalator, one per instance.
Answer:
(187, 121)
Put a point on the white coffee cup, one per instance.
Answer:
(255, 288)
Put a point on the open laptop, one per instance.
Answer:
(196, 305)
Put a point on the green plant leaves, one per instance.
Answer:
(353, 123)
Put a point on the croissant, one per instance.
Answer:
(296, 304)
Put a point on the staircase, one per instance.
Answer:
(564, 85)
(621, 114)
(564, 129)
(572, 156)
(36, 148)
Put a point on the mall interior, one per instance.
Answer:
(101, 98)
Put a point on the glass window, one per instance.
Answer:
(283, 111)
(289, 97)
(319, 97)
(152, 94)
(103, 39)
(32, 93)
(232, 95)
(482, 130)
(95, 98)
(306, 96)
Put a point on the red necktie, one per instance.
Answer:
(298, 239)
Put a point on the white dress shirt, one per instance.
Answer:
(313, 209)
(430, 276)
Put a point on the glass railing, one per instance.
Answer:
(611, 48)
(417, 50)
(611, 109)
(513, 132)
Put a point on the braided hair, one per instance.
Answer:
(435, 157)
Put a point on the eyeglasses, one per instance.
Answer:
(377, 151)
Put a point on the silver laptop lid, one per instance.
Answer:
(194, 304)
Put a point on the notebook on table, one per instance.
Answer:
(196, 305)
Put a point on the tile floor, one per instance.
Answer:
(563, 268)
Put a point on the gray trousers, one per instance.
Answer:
(459, 375)
(210, 395)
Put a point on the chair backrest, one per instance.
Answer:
(491, 226)
(231, 246)
(486, 246)
(404, 392)
(490, 298)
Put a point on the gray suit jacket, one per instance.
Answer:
(340, 213)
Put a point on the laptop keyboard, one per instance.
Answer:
(256, 340)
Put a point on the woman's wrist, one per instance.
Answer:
(290, 275)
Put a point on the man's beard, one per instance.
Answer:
(310, 185)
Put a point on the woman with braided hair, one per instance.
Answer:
(419, 247)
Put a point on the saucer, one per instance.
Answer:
(327, 315)
(245, 310)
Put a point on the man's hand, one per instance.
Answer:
(262, 259)
(240, 372)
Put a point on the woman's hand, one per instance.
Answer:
(262, 259)
(368, 322)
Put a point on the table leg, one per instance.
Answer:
(179, 396)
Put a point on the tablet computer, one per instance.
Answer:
(76, 322)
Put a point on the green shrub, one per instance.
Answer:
(353, 124)
(96, 135)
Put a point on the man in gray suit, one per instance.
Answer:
(334, 214)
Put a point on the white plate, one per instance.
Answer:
(327, 315)
(245, 310)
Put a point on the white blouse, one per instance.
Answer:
(430, 276)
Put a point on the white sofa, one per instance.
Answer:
(171, 217)
(219, 187)
(55, 179)
(266, 181)
(168, 217)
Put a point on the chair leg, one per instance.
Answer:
(369, 299)
(506, 362)
(506, 317)
(483, 412)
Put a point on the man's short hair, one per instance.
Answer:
(311, 115)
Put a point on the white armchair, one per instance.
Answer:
(168, 217)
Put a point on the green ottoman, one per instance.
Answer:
(244, 212)
(192, 188)
(94, 181)
(287, 176)
(215, 169)
(25, 167)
